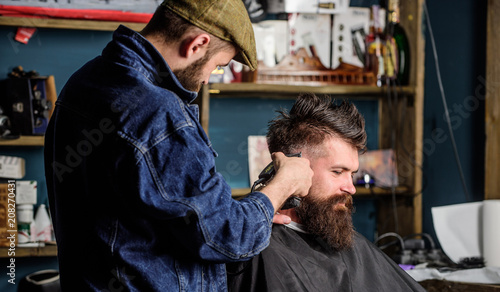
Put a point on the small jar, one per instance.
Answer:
(24, 213)
(24, 220)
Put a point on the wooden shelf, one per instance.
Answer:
(68, 23)
(285, 91)
(360, 191)
(377, 191)
(42, 251)
(24, 141)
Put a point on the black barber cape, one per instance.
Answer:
(297, 261)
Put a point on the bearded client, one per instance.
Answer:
(320, 250)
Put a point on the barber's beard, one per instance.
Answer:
(191, 76)
(332, 223)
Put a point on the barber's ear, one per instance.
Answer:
(197, 44)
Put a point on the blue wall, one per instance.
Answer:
(55, 52)
(461, 47)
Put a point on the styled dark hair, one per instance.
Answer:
(172, 27)
(311, 120)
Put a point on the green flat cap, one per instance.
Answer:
(225, 19)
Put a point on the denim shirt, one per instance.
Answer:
(136, 201)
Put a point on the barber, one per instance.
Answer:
(136, 201)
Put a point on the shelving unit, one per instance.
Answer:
(23, 141)
(285, 91)
(41, 251)
(35, 142)
(405, 113)
(271, 91)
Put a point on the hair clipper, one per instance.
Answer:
(268, 173)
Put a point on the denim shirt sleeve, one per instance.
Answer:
(178, 185)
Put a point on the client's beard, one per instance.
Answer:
(334, 225)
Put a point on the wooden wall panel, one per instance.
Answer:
(492, 115)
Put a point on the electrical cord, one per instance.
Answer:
(393, 146)
(403, 239)
(390, 234)
(398, 89)
(392, 104)
(443, 98)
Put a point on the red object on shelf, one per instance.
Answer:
(66, 13)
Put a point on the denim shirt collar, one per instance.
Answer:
(133, 50)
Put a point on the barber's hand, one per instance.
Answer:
(281, 219)
(293, 178)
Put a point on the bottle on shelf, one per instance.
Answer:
(391, 60)
(375, 40)
(395, 31)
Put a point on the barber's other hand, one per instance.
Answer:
(281, 219)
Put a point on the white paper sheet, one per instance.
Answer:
(469, 230)
(458, 229)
